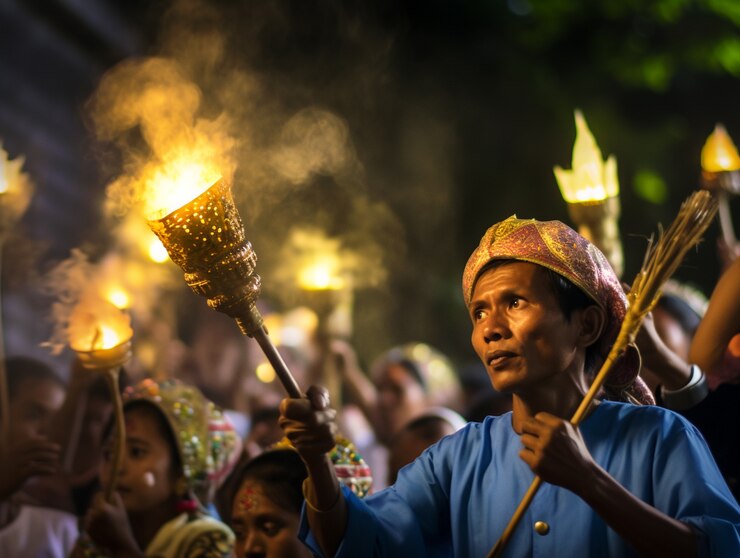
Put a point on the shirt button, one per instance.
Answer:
(541, 528)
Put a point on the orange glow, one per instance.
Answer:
(265, 372)
(157, 251)
(321, 274)
(118, 298)
(101, 326)
(719, 152)
(171, 186)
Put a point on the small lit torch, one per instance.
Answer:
(591, 190)
(324, 286)
(101, 336)
(720, 165)
(204, 235)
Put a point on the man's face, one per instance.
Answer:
(519, 330)
(32, 407)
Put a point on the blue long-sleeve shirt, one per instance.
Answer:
(458, 496)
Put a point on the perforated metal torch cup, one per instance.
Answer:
(206, 239)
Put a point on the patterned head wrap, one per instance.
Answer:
(557, 247)
(206, 440)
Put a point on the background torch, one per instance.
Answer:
(720, 165)
(102, 340)
(591, 190)
(206, 238)
(324, 282)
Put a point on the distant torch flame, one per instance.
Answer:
(321, 274)
(591, 179)
(719, 152)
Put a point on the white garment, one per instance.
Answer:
(39, 533)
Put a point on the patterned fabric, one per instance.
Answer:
(206, 440)
(559, 248)
(188, 536)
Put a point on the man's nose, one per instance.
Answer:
(494, 328)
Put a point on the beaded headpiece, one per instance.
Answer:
(206, 440)
(351, 468)
(555, 246)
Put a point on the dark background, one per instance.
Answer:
(457, 112)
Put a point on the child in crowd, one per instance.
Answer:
(27, 528)
(178, 446)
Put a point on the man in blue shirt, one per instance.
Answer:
(631, 480)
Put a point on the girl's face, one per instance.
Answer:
(262, 528)
(147, 477)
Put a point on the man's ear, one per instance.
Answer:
(592, 321)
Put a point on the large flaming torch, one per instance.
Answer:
(205, 237)
(720, 165)
(591, 190)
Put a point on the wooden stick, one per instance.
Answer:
(120, 432)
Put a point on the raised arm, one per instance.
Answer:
(309, 425)
(720, 323)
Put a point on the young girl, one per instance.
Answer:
(177, 445)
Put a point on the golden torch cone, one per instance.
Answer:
(206, 238)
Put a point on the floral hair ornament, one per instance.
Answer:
(555, 246)
(206, 441)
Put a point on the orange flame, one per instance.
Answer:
(101, 326)
(173, 185)
(719, 152)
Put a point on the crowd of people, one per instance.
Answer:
(421, 457)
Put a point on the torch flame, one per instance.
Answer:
(591, 179)
(719, 152)
(322, 274)
(171, 186)
(101, 326)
